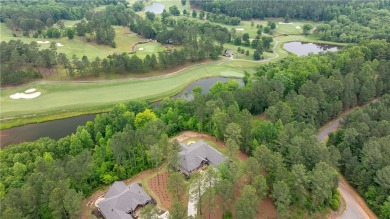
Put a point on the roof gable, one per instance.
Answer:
(191, 157)
(118, 205)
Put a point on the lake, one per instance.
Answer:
(156, 8)
(60, 128)
(303, 49)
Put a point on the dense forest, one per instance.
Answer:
(344, 21)
(364, 145)
(32, 17)
(49, 178)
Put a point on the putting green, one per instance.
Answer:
(58, 97)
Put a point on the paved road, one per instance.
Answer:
(328, 128)
(353, 210)
(356, 208)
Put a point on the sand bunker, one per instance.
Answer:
(30, 90)
(240, 29)
(141, 49)
(25, 96)
(28, 94)
(43, 42)
(284, 23)
(298, 27)
(59, 44)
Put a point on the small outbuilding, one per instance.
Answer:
(228, 53)
(196, 155)
(122, 201)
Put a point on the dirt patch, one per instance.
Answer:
(261, 116)
(158, 185)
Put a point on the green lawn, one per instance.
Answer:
(61, 97)
(293, 27)
(148, 49)
(69, 23)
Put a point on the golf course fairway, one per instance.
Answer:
(62, 97)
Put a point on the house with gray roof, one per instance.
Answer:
(194, 156)
(122, 201)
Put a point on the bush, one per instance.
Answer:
(227, 215)
(335, 204)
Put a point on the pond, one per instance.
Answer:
(60, 128)
(156, 8)
(54, 129)
(303, 49)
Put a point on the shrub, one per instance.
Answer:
(227, 215)
(335, 204)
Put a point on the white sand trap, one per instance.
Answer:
(43, 42)
(30, 90)
(59, 44)
(25, 96)
(298, 27)
(240, 29)
(284, 23)
(141, 49)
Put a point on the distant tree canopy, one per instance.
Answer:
(344, 21)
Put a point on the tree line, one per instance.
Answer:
(344, 21)
(364, 145)
(199, 40)
(35, 18)
(49, 179)
(297, 95)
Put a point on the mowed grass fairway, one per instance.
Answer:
(62, 97)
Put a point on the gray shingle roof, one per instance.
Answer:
(191, 157)
(121, 199)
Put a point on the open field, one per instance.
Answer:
(124, 40)
(58, 97)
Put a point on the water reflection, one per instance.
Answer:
(304, 49)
